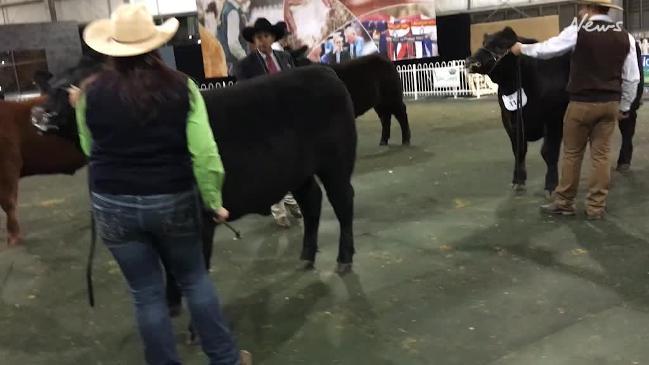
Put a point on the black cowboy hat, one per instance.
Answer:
(263, 25)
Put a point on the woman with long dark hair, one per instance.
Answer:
(144, 127)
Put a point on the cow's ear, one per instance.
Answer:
(509, 33)
(41, 80)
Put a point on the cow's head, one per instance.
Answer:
(494, 48)
(56, 115)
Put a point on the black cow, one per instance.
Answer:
(275, 134)
(373, 82)
(544, 82)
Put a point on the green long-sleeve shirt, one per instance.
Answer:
(206, 162)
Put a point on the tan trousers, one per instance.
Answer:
(584, 122)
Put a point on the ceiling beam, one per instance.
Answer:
(18, 3)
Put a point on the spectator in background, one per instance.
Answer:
(231, 23)
(627, 125)
(355, 43)
(339, 53)
(644, 46)
(266, 61)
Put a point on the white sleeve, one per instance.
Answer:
(630, 77)
(555, 46)
(233, 36)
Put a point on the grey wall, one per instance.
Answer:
(60, 40)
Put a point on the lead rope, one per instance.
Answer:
(91, 259)
(520, 122)
(91, 254)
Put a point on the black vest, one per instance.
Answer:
(596, 66)
(134, 158)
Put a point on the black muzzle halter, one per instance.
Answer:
(495, 56)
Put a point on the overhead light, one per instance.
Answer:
(199, 41)
(191, 36)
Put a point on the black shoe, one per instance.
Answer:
(625, 167)
(557, 210)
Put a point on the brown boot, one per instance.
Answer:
(246, 357)
(557, 210)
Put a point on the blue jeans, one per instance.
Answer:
(139, 231)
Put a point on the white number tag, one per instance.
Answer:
(511, 101)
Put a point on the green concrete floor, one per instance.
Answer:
(452, 268)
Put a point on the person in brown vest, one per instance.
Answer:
(603, 79)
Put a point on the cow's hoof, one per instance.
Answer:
(623, 168)
(192, 339)
(307, 265)
(309, 254)
(548, 195)
(192, 336)
(343, 269)
(175, 310)
(383, 143)
(13, 241)
(406, 143)
(519, 188)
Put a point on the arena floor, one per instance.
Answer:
(452, 268)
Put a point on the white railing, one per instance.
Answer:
(443, 79)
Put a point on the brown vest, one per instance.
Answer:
(596, 66)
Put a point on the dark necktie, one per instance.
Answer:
(272, 69)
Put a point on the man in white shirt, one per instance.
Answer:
(603, 79)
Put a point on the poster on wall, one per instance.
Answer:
(334, 31)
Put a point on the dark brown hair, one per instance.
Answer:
(145, 84)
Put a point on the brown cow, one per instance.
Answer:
(24, 152)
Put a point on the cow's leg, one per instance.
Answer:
(402, 117)
(341, 195)
(208, 227)
(309, 198)
(520, 172)
(207, 233)
(174, 294)
(550, 152)
(386, 123)
(10, 164)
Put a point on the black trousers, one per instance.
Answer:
(627, 128)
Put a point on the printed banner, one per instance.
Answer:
(446, 77)
(333, 31)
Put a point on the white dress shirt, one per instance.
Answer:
(567, 40)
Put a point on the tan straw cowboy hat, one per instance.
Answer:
(606, 3)
(130, 31)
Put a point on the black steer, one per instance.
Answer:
(373, 82)
(275, 134)
(544, 83)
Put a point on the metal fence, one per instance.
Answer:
(443, 79)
